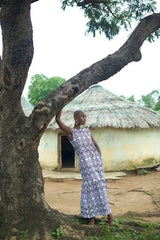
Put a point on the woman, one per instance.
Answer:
(94, 195)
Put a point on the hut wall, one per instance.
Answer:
(124, 149)
(48, 150)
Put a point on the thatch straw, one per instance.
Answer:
(105, 109)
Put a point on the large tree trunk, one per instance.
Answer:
(22, 203)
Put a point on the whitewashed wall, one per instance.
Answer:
(122, 149)
(48, 150)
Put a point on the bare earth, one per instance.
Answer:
(132, 193)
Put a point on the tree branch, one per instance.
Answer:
(32, 1)
(112, 13)
(86, 2)
(99, 71)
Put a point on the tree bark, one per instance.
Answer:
(22, 201)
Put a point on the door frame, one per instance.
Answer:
(76, 163)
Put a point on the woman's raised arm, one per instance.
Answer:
(67, 130)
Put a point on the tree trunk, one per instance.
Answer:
(22, 201)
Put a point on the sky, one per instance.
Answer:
(61, 48)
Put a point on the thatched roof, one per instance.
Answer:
(105, 109)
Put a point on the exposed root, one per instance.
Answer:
(155, 199)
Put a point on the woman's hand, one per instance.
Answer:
(58, 115)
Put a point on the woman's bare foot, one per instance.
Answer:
(110, 219)
(91, 221)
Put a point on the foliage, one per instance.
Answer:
(80, 221)
(157, 105)
(150, 100)
(127, 229)
(57, 234)
(111, 16)
(24, 235)
(41, 86)
(131, 98)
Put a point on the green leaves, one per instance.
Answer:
(57, 234)
(150, 100)
(110, 16)
(41, 86)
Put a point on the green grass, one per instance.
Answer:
(127, 229)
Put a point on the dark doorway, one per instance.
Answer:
(68, 153)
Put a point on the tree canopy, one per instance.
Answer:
(109, 17)
(157, 105)
(41, 86)
(150, 100)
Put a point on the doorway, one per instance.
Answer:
(67, 154)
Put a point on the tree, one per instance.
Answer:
(131, 98)
(22, 201)
(157, 105)
(149, 100)
(41, 86)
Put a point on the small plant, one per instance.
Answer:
(80, 221)
(24, 235)
(76, 220)
(57, 234)
(102, 223)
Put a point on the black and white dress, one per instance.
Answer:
(94, 194)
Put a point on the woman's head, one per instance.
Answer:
(79, 117)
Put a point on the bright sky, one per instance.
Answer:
(61, 48)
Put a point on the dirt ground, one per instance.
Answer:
(132, 193)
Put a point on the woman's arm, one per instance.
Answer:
(67, 130)
(95, 144)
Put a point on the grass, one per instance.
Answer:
(124, 228)
(127, 229)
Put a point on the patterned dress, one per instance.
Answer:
(94, 195)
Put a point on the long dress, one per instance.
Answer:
(94, 194)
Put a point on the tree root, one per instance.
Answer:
(155, 199)
(140, 214)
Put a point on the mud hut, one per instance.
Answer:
(127, 133)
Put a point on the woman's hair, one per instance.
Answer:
(76, 112)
